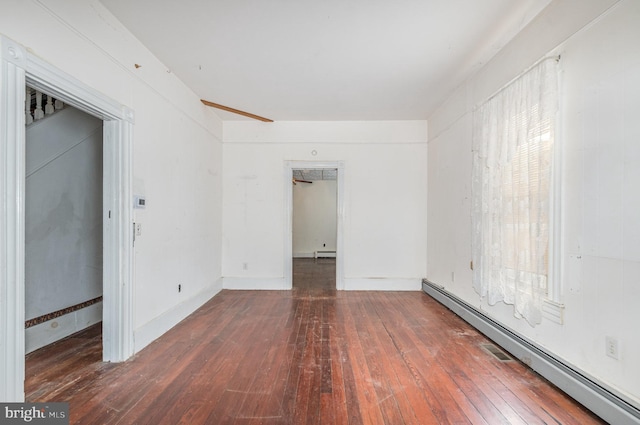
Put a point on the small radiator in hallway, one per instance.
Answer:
(324, 254)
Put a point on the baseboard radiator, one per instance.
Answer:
(600, 400)
(324, 254)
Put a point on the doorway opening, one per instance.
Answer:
(63, 225)
(313, 223)
(314, 229)
(18, 70)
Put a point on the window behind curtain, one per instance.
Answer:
(512, 158)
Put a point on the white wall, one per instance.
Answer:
(600, 198)
(176, 151)
(385, 199)
(314, 217)
(63, 226)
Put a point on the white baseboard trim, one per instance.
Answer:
(600, 400)
(255, 283)
(382, 284)
(152, 330)
(60, 327)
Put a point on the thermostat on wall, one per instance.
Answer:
(139, 202)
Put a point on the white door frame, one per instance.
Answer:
(17, 69)
(289, 166)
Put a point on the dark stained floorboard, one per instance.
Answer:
(311, 355)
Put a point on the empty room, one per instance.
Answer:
(360, 212)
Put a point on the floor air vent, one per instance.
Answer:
(496, 352)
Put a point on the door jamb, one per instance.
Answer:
(18, 68)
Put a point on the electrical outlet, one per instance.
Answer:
(245, 266)
(138, 229)
(179, 287)
(611, 346)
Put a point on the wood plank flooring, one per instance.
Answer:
(307, 356)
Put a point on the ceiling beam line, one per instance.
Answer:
(235, 111)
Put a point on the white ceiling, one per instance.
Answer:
(325, 60)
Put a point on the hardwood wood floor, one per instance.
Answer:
(307, 356)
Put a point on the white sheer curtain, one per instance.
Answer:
(512, 154)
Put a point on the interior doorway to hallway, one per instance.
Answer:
(314, 206)
(63, 220)
(19, 69)
(314, 228)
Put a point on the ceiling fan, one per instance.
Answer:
(296, 181)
